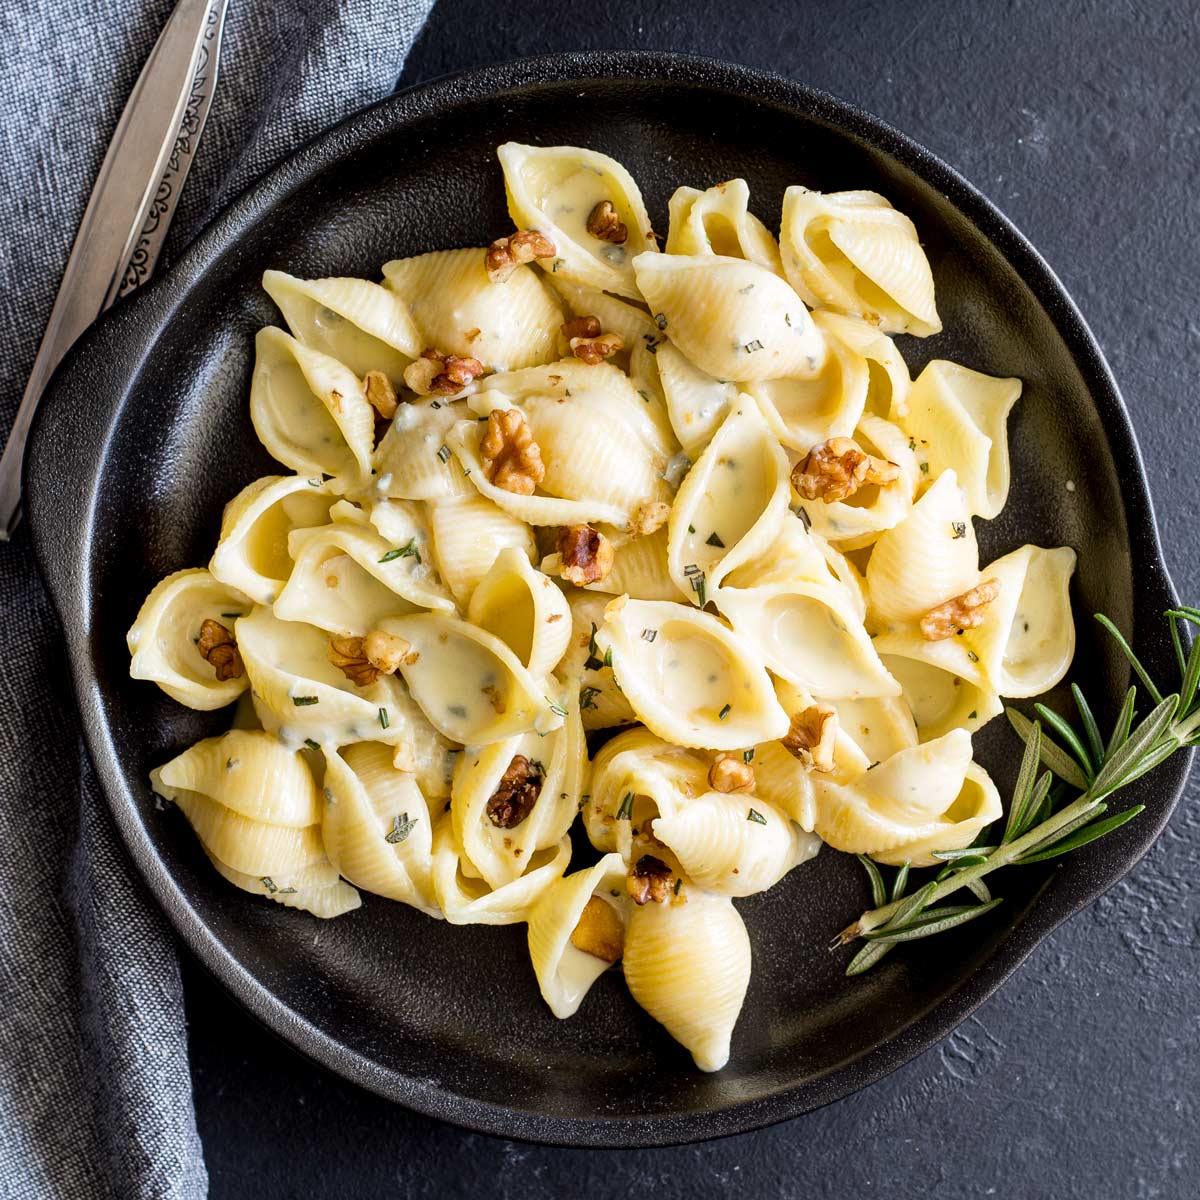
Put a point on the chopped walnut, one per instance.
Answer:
(512, 460)
(648, 518)
(812, 735)
(603, 223)
(594, 350)
(381, 395)
(650, 880)
(586, 555)
(959, 612)
(581, 327)
(516, 793)
(218, 648)
(731, 773)
(506, 254)
(837, 468)
(363, 659)
(599, 931)
(435, 373)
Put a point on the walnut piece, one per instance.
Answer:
(581, 327)
(599, 931)
(516, 793)
(512, 460)
(435, 373)
(959, 612)
(649, 518)
(603, 223)
(650, 880)
(731, 773)
(586, 555)
(837, 468)
(506, 254)
(811, 737)
(594, 350)
(363, 659)
(381, 395)
(218, 648)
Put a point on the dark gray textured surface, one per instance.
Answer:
(1082, 121)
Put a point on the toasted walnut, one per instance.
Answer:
(959, 612)
(599, 931)
(594, 350)
(516, 793)
(512, 460)
(603, 223)
(586, 555)
(581, 327)
(218, 648)
(649, 517)
(731, 773)
(506, 254)
(650, 880)
(837, 468)
(435, 373)
(812, 735)
(363, 659)
(380, 394)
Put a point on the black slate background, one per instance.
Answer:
(1081, 1078)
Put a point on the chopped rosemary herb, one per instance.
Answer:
(748, 755)
(648, 635)
(691, 529)
(384, 719)
(755, 816)
(314, 483)
(973, 656)
(958, 529)
(457, 710)
(311, 744)
(924, 468)
(651, 342)
(435, 404)
(231, 615)
(972, 715)
(587, 697)
(269, 884)
(302, 701)
(697, 579)
(594, 661)
(714, 539)
(645, 395)
(746, 290)
(679, 878)
(444, 453)
(800, 511)
(408, 550)
(402, 826)
(625, 812)
(557, 709)
(787, 317)
(912, 443)
(660, 319)
(724, 712)
(691, 569)
(751, 347)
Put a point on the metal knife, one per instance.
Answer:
(130, 207)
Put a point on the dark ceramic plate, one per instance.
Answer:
(145, 434)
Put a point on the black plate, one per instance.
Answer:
(145, 434)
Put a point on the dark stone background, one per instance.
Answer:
(1081, 1077)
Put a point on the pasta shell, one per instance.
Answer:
(359, 323)
(731, 505)
(960, 420)
(927, 558)
(554, 190)
(310, 412)
(602, 703)
(879, 727)
(688, 966)
(469, 532)
(348, 578)
(163, 637)
(251, 773)
(718, 221)
(696, 403)
(639, 568)
(411, 462)
(734, 845)
(733, 319)
(468, 683)
(942, 687)
(376, 826)
(459, 310)
(564, 972)
(889, 381)
(419, 749)
(316, 889)
(854, 253)
(689, 678)
(524, 609)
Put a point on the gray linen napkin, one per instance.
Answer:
(95, 1094)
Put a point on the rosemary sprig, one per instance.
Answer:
(1042, 821)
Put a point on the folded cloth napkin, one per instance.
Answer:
(95, 1094)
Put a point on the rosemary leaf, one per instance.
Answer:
(1124, 724)
(980, 890)
(1090, 728)
(1089, 833)
(867, 957)
(1037, 803)
(1140, 742)
(1134, 661)
(1089, 814)
(1069, 736)
(969, 852)
(911, 907)
(900, 882)
(1054, 757)
(1176, 643)
(1023, 788)
(878, 890)
(947, 917)
(1157, 755)
(1191, 677)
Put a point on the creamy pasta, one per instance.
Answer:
(668, 542)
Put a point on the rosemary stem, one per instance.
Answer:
(1000, 857)
(1183, 730)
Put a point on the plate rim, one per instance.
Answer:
(131, 325)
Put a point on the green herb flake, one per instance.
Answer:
(645, 395)
(625, 812)
(648, 635)
(660, 319)
(787, 317)
(557, 709)
(384, 719)
(457, 710)
(587, 698)
(746, 290)
(444, 453)
(714, 539)
(311, 744)
(924, 468)
(724, 712)
(231, 616)
(304, 701)
(408, 550)
(972, 715)
(678, 885)
(755, 816)
(973, 656)
(691, 529)
(752, 346)
(269, 884)
(402, 826)
(958, 529)
(748, 755)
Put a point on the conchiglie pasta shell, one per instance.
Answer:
(927, 558)
(942, 692)
(734, 319)
(366, 800)
(602, 703)
(718, 221)
(251, 773)
(468, 533)
(360, 323)
(459, 310)
(162, 639)
(316, 889)
(564, 972)
(696, 683)
(554, 189)
(960, 420)
(696, 402)
(853, 253)
(879, 727)
(309, 411)
(407, 463)
(688, 966)
(889, 381)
